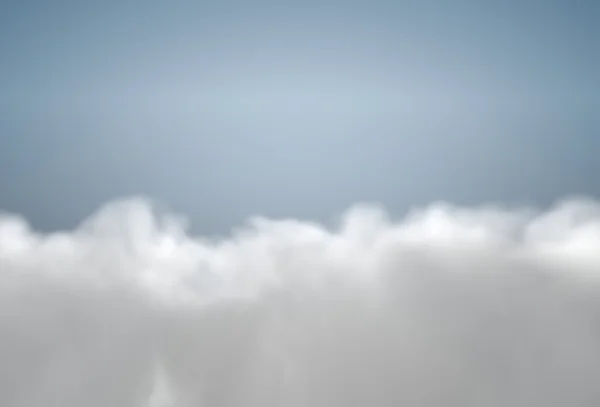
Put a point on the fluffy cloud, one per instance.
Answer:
(448, 307)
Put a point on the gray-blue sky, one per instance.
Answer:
(226, 110)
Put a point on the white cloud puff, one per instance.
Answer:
(449, 306)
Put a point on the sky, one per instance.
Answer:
(300, 204)
(223, 110)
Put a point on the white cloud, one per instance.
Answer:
(447, 307)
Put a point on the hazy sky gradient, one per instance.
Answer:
(227, 109)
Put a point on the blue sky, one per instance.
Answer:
(224, 110)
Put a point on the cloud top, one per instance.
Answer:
(448, 306)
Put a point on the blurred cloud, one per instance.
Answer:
(450, 306)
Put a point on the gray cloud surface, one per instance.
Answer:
(450, 306)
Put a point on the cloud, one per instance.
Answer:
(450, 306)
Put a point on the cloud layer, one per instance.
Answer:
(486, 306)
